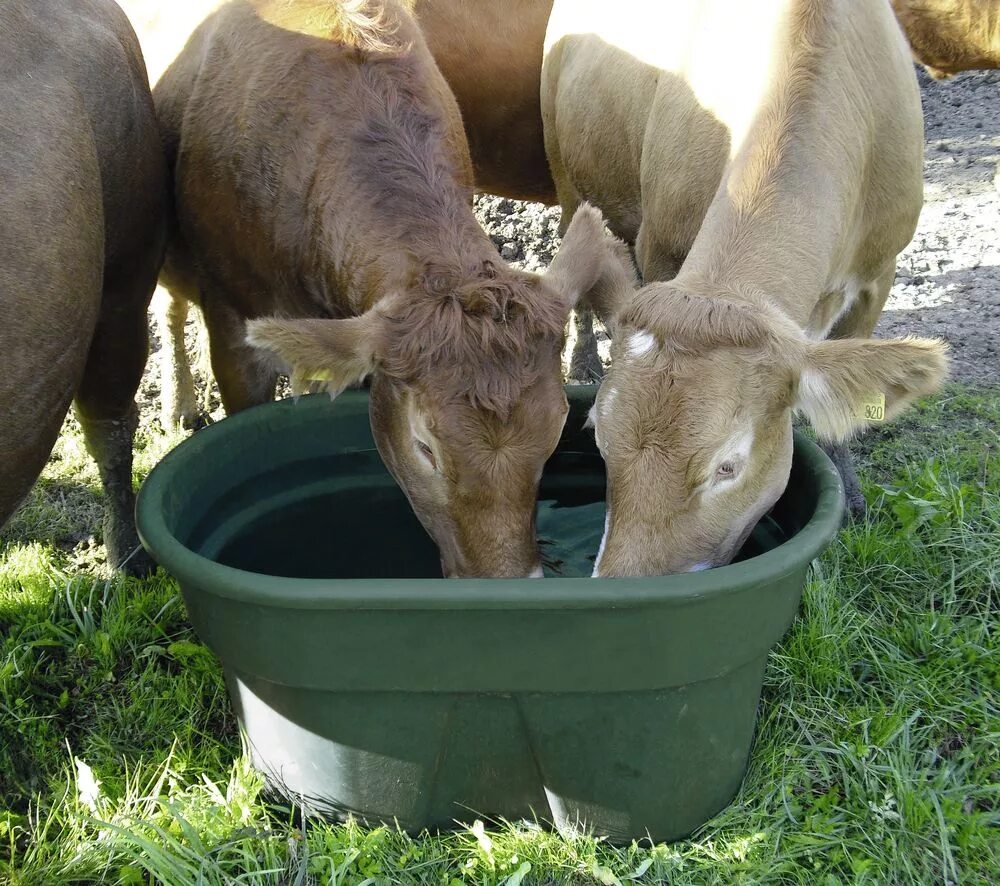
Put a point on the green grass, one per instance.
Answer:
(877, 758)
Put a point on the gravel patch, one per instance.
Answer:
(948, 278)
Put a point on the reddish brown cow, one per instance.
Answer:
(489, 51)
(81, 240)
(322, 175)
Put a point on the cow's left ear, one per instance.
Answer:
(845, 384)
(592, 268)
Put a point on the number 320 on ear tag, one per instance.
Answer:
(873, 409)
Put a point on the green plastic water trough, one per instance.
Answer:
(368, 685)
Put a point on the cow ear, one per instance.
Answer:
(338, 353)
(592, 268)
(846, 384)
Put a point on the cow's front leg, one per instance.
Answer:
(585, 363)
(841, 456)
(243, 379)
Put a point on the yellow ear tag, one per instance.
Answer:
(873, 409)
(319, 375)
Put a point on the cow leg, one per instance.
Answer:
(585, 363)
(858, 322)
(842, 459)
(243, 379)
(178, 400)
(106, 409)
(36, 389)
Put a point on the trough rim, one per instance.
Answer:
(196, 572)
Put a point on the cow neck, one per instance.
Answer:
(775, 223)
(459, 249)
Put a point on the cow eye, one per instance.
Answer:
(725, 471)
(427, 453)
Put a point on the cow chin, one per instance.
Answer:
(625, 553)
(509, 555)
(639, 561)
(473, 547)
(456, 564)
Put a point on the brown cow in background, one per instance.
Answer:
(950, 36)
(81, 241)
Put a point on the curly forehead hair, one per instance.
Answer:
(477, 338)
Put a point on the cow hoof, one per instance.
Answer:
(138, 565)
(185, 421)
(857, 507)
(198, 421)
(135, 562)
(125, 553)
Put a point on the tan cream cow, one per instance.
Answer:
(766, 159)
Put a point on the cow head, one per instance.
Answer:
(467, 401)
(694, 419)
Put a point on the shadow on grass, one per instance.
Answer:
(59, 512)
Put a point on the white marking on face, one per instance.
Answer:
(738, 447)
(417, 419)
(700, 567)
(604, 539)
(536, 572)
(640, 343)
(735, 450)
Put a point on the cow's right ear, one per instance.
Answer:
(337, 353)
(592, 268)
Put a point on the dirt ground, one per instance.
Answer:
(948, 279)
